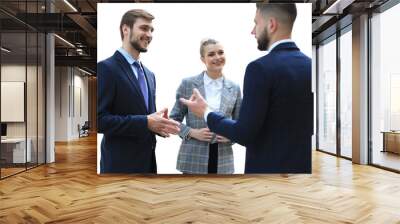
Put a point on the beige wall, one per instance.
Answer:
(34, 124)
(17, 73)
(71, 102)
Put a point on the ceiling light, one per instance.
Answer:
(337, 7)
(64, 40)
(5, 50)
(70, 5)
(86, 72)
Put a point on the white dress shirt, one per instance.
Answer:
(131, 60)
(213, 89)
(277, 43)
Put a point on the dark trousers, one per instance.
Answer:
(213, 158)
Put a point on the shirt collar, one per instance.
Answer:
(208, 80)
(127, 56)
(279, 42)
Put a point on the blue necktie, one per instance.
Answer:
(142, 83)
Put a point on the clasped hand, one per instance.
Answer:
(205, 135)
(159, 123)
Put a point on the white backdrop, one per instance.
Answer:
(174, 52)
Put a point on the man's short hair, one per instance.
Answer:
(130, 17)
(284, 12)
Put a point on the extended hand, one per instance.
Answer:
(157, 123)
(197, 104)
(165, 115)
(202, 134)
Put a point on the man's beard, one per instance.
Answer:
(135, 44)
(263, 40)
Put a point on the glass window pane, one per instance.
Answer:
(327, 97)
(31, 100)
(23, 85)
(13, 87)
(346, 94)
(385, 89)
(41, 98)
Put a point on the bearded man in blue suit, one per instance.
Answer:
(276, 116)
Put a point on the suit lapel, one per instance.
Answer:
(226, 96)
(132, 78)
(199, 84)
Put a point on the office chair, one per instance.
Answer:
(84, 130)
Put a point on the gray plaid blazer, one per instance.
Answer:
(193, 154)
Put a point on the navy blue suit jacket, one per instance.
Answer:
(127, 146)
(276, 117)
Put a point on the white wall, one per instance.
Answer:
(80, 100)
(33, 126)
(12, 73)
(68, 83)
(61, 103)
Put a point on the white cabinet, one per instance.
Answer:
(16, 147)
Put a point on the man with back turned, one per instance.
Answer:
(276, 116)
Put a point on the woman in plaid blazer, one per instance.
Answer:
(202, 151)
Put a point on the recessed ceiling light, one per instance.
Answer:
(337, 7)
(64, 40)
(5, 50)
(86, 72)
(70, 5)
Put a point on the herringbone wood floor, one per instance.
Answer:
(69, 191)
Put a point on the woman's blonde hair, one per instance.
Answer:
(204, 42)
